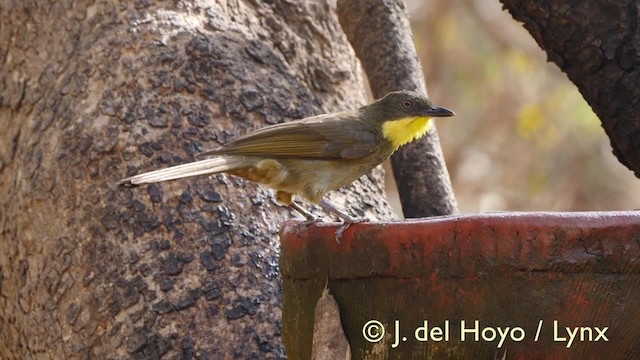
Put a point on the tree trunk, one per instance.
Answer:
(597, 44)
(94, 92)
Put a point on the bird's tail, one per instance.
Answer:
(201, 167)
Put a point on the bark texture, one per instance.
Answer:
(380, 34)
(93, 91)
(597, 44)
(329, 341)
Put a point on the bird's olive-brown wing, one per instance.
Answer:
(330, 136)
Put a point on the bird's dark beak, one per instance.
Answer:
(437, 111)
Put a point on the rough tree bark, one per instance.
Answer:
(382, 39)
(597, 44)
(91, 92)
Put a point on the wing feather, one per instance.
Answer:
(330, 136)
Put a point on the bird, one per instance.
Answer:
(309, 157)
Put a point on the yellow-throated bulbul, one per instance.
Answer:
(311, 156)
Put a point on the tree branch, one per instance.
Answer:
(597, 45)
(381, 37)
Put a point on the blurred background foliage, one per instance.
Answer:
(523, 138)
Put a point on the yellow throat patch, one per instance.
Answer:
(402, 131)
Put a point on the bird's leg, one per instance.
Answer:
(332, 209)
(347, 219)
(311, 218)
(286, 198)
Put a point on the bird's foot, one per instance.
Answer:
(346, 223)
(311, 220)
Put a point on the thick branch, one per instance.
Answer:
(381, 37)
(596, 43)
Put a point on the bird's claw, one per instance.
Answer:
(311, 220)
(345, 225)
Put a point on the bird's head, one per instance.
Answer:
(404, 104)
(403, 115)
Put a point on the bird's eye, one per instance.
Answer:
(406, 104)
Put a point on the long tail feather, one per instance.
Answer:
(201, 167)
